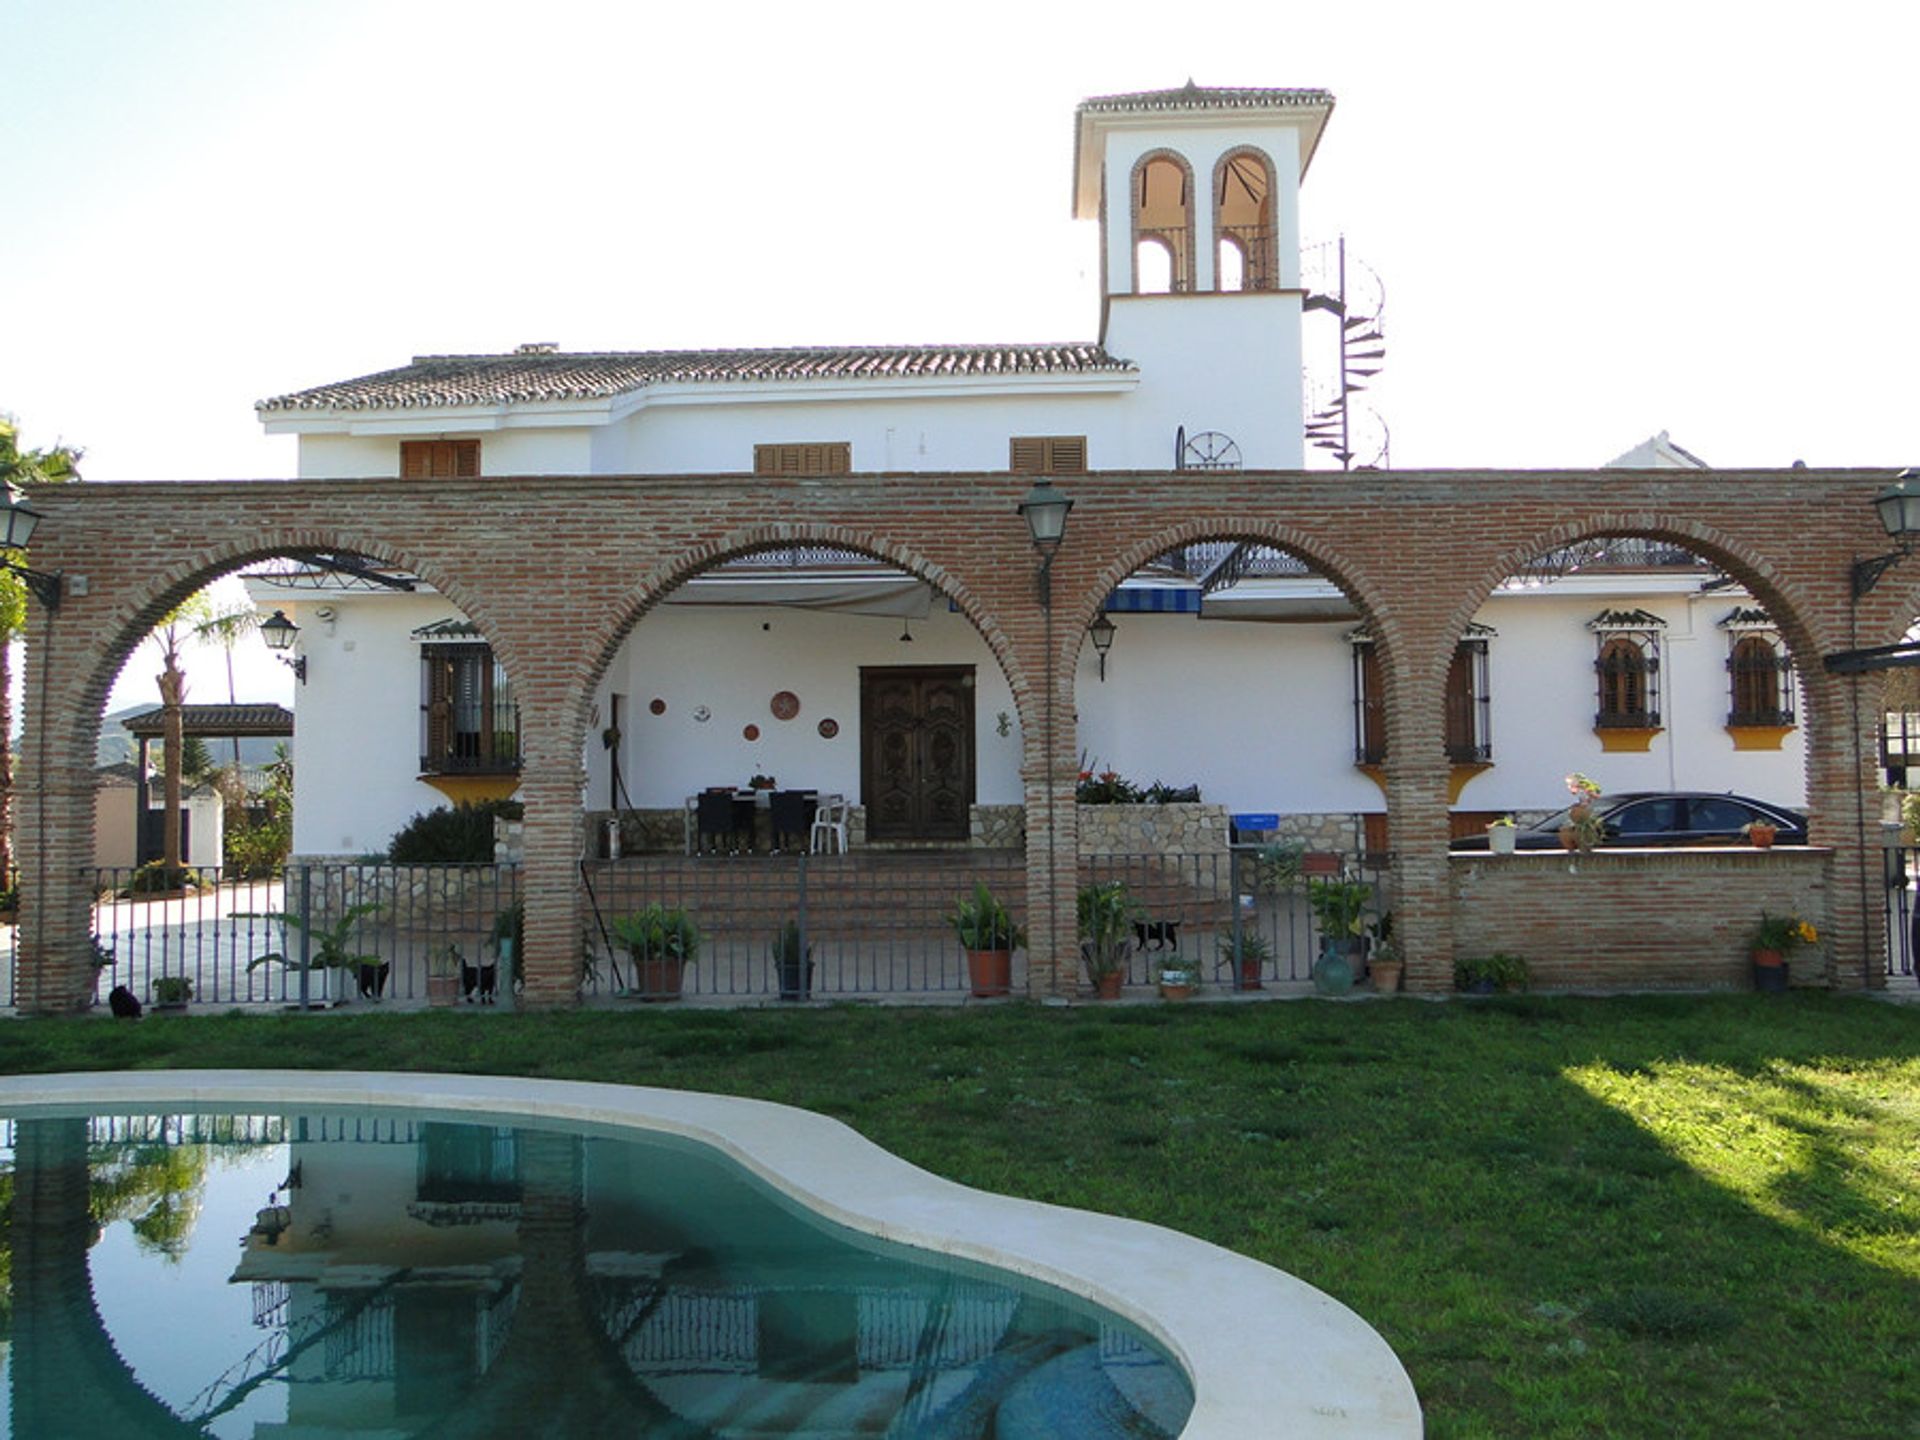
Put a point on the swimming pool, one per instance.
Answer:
(586, 1256)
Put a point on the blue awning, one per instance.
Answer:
(1155, 600)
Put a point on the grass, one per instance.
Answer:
(1630, 1217)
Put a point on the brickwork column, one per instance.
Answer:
(555, 830)
(1843, 750)
(53, 840)
(1049, 774)
(1417, 824)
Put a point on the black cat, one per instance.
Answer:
(482, 978)
(124, 1003)
(373, 980)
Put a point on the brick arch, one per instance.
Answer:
(604, 643)
(133, 619)
(1782, 599)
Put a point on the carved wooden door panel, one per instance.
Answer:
(916, 751)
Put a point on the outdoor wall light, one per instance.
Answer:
(278, 632)
(1899, 507)
(1046, 510)
(20, 521)
(1101, 633)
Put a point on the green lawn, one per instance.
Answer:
(1635, 1217)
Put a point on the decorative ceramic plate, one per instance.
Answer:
(785, 705)
(752, 732)
(658, 707)
(702, 714)
(829, 728)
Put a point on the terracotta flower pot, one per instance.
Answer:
(990, 973)
(1569, 838)
(1769, 970)
(443, 989)
(1175, 992)
(1107, 986)
(658, 979)
(1386, 975)
(1762, 837)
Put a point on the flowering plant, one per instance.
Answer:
(1783, 933)
(1505, 822)
(1584, 790)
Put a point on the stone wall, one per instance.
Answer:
(1194, 829)
(1638, 919)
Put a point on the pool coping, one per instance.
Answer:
(1267, 1353)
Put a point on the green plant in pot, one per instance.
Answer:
(1179, 977)
(443, 975)
(1777, 937)
(988, 934)
(1486, 974)
(1246, 955)
(792, 961)
(1339, 906)
(661, 941)
(329, 948)
(1106, 913)
(172, 992)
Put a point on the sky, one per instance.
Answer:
(1592, 223)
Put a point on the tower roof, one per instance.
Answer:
(1189, 104)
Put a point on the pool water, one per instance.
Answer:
(336, 1273)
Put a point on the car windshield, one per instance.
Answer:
(1554, 821)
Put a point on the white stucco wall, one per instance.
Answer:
(1261, 716)
(734, 659)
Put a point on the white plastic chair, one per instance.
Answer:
(828, 835)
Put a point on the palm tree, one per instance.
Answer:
(227, 627)
(24, 469)
(170, 637)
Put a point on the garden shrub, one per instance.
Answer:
(451, 834)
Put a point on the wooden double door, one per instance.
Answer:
(916, 751)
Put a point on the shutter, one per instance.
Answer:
(1028, 455)
(839, 458)
(436, 706)
(1460, 702)
(1373, 709)
(827, 457)
(466, 459)
(416, 459)
(1068, 455)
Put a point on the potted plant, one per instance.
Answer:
(1760, 833)
(171, 992)
(762, 782)
(1583, 829)
(662, 941)
(443, 975)
(1383, 961)
(987, 933)
(1107, 912)
(1778, 937)
(1501, 835)
(1485, 974)
(1178, 978)
(1339, 906)
(329, 948)
(1246, 955)
(792, 962)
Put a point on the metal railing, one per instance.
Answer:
(1901, 871)
(869, 924)
(1219, 909)
(322, 935)
(873, 923)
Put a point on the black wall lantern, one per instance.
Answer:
(279, 633)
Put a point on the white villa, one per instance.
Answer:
(1231, 667)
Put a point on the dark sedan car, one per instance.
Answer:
(1680, 817)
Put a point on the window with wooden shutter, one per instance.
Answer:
(1762, 682)
(469, 724)
(1468, 702)
(439, 459)
(831, 457)
(1624, 692)
(1048, 454)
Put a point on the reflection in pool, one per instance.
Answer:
(339, 1273)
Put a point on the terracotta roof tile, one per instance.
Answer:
(1205, 97)
(532, 375)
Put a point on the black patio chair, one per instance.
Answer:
(791, 813)
(719, 819)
